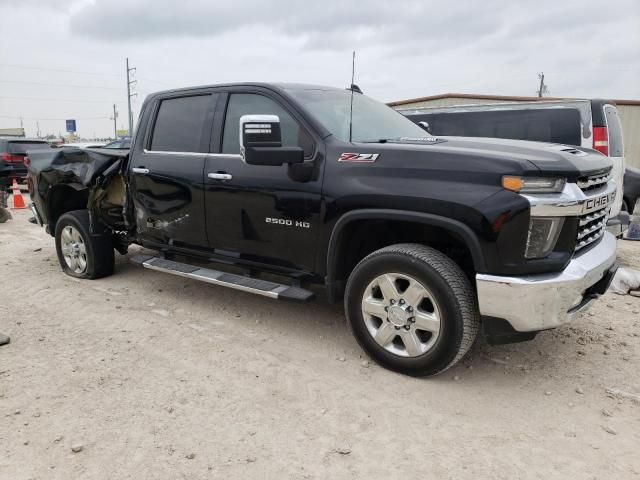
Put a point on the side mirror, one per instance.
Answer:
(261, 142)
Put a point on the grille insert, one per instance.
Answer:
(594, 182)
(591, 227)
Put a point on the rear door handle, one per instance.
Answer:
(220, 176)
(140, 170)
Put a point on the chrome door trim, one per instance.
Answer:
(194, 154)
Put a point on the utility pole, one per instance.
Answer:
(543, 88)
(129, 95)
(37, 129)
(114, 118)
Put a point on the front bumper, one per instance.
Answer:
(542, 301)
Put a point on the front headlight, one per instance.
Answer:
(543, 235)
(533, 184)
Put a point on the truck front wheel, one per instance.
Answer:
(80, 253)
(412, 309)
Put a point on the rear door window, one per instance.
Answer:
(180, 124)
(616, 143)
(554, 125)
(20, 147)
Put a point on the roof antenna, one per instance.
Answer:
(353, 73)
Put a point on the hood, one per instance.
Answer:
(525, 156)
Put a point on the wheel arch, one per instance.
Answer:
(62, 199)
(338, 245)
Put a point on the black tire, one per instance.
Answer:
(451, 289)
(99, 248)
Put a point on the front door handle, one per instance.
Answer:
(220, 176)
(140, 170)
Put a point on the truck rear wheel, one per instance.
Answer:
(80, 253)
(412, 309)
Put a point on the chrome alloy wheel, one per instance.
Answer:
(401, 314)
(73, 249)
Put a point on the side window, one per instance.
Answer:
(180, 123)
(616, 144)
(293, 134)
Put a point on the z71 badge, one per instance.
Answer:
(358, 157)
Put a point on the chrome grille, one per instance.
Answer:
(591, 227)
(593, 182)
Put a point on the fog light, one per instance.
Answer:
(543, 235)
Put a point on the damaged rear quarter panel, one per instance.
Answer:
(70, 178)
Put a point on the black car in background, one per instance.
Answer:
(631, 189)
(12, 153)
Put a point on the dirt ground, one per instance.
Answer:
(159, 377)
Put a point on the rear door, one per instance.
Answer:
(264, 214)
(166, 171)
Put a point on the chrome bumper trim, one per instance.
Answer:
(543, 301)
(572, 201)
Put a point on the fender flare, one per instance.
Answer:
(457, 228)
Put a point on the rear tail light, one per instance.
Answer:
(7, 157)
(26, 161)
(601, 140)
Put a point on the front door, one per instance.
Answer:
(167, 172)
(264, 214)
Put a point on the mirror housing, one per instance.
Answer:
(261, 142)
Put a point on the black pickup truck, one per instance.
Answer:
(269, 188)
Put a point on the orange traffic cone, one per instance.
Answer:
(18, 201)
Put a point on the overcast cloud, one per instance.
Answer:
(65, 59)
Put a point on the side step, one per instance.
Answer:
(231, 280)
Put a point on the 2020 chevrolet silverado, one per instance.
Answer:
(426, 239)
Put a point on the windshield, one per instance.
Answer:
(21, 147)
(372, 120)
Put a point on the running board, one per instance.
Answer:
(231, 280)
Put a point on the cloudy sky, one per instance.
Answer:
(66, 58)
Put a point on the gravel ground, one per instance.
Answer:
(144, 375)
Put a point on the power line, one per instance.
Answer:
(58, 84)
(82, 72)
(542, 89)
(130, 83)
(156, 81)
(57, 100)
(52, 119)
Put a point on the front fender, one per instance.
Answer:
(454, 227)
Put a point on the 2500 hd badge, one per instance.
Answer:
(287, 222)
